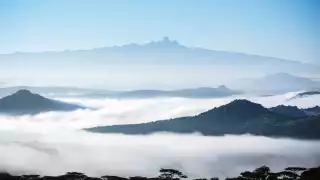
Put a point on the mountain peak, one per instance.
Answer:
(243, 102)
(26, 102)
(165, 42)
(166, 38)
(223, 87)
(241, 109)
(24, 92)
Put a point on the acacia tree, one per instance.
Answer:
(74, 175)
(295, 170)
(261, 173)
(31, 177)
(171, 174)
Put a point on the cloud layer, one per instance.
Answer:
(51, 143)
(101, 154)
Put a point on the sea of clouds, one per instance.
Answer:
(53, 143)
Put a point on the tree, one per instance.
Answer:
(171, 174)
(273, 176)
(138, 178)
(263, 170)
(237, 178)
(260, 173)
(214, 178)
(311, 174)
(31, 177)
(288, 175)
(92, 178)
(74, 176)
(113, 178)
(295, 169)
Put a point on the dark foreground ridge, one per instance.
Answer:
(237, 117)
(261, 173)
(24, 102)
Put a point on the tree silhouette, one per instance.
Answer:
(214, 178)
(92, 178)
(261, 173)
(31, 177)
(113, 178)
(311, 174)
(138, 178)
(288, 175)
(236, 178)
(74, 176)
(171, 174)
(295, 169)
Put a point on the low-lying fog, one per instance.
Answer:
(51, 143)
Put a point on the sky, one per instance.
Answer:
(286, 29)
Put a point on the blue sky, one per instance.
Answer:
(279, 28)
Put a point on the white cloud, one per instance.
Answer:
(113, 111)
(50, 143)
(101, 154)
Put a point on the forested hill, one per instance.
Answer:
(237, 117)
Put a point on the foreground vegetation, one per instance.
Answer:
(261, 173)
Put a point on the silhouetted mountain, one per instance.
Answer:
(237, 117)
(164, 60)
(276, 83)
(203, 92)
(60, 91)
(292, 111)
(25, 102)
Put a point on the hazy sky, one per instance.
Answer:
(286, 28)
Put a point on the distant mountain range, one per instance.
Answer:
(237, 117)
(24, 102)
(276, 83)
(271, 84)
(50, 91)
(164, 60)
(165, 50)
(203, 92)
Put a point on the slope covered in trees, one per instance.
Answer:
(237, 117)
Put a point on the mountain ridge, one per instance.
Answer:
(276, 83)
(164, 62)
(24, 102)
(237, 117)
(164, 42)
(201, 92)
